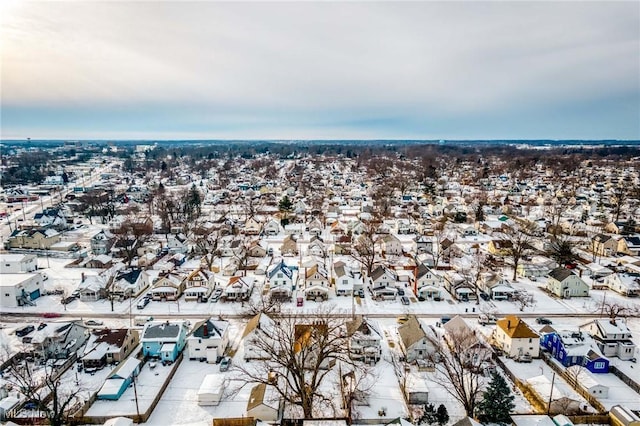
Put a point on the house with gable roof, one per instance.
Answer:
(604, 245)
(613, 337)
(238, 289)
(108, 346)
(259, 328)
(390, 244)
(102, 242)
(624, 284)
(169, 286)
(199, 285)
(316, 283)
(418, 342)
(282, 281)
(129, 283)
(364, 340)
(265, 403)
(574, 348)
(565, 284)
(516, 338)
(209, 340)
(164, 339)
(428, 283)
(347, 281)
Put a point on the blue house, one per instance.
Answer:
(575, 348)
(164, 339)
(119, 379)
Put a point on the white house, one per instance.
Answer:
(364, 340)
(516, 338)
(260, 327)
(281, 279)
(316, 283)
(564, 283)
(208, 341)
(18, 263)
(346, 280)
(625, 284)
(238, 288)
(199, 285)
(613, 337)
(418, 342)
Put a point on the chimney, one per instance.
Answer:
(205, 330)
(508, 324)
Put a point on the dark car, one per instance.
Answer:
(359, 293)
(542, 320)
(405, 300)
(41, 326)
(225, 363)
(67, 300)
(484, 296)
(24, 330)
(400, 292)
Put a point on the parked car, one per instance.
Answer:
(543, 320)
(405, 300)
(24, 330)
(523, 358)
(359, 293)
(400, 292)
(485, 297)
(142, 303)
(225, 363)
(41, 326)
(93, 322)
(216, 295)
(67, 300)
(486, 319)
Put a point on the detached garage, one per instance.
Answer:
(211, 389)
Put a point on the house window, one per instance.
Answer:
(279, 275)
(598, 365)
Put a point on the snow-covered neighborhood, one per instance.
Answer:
(330, 285)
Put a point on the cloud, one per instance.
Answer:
(314, 65)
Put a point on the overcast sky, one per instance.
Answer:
(320, 70)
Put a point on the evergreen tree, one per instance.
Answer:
(428, 415)
(442, 416)
(497, 402)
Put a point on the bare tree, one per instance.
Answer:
(205, 239)
(460, 361)
(561, 250)
(299, 353)
(618, 198)
(364, 248)
(43, 386)
(614, 309)
(520, 238)
(355, 386)
(131, 235)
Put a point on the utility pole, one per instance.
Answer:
(553, 380)
(135, 393)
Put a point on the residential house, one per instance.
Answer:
(102, 261)
(419, 343)
(238, 289)
(119, 379)
(129, 283)
(500, 247)
(347, 281)
(102, 242)
(282, 281)
(59, 340)
(516, 338)
(428, 283)
(289, 246)
(629, 245)
(164, 339)
(317, 247)
(496, 286)
(265, 403)
(315, 227)
(364, 340)
(17, 263)
(169, 286)
(423, 244)
(93, 287)
(108, 346)
(612, 336)
(625, 284)
(604, 245)
(257, 248)
(575, 348)
(257, 332)
(177, 243)
(565, 284)
(51, 218)
(391, 245)
(209, 340)
(316, 283)
(42, 238)
(251, 226)
(199, 285)
(271, 228)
